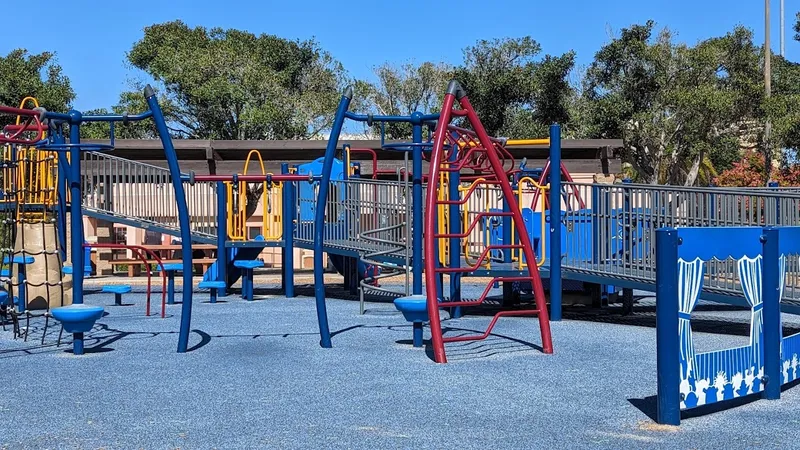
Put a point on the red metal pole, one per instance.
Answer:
(430, 226)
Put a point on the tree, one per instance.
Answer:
(514, 93)
(403, 90)
(23, 75)
(678, 108)
(231, 84)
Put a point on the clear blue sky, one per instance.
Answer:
(363, 34)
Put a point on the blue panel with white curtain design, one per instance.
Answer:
(726, 374)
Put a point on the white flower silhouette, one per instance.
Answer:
(685, 389)
(786, 366)
(748, 380)
(736, 381)
(719, 383)
(701, 386)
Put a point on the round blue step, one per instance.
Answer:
(251, 264)
(413, 307)
(78, 318)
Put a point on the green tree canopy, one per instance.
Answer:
(514, 93)
(26, 75)
(231, 84)
(680, 110)
(404, 89)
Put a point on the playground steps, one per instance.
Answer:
(468, 154)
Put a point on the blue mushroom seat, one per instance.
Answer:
(173, 266)
(77, 318)
(248, 264)
(212, 285)
(413, 307)
(117, 288)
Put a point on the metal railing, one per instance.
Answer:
(615, 235)
(143, 194)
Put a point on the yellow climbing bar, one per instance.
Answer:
(530, 182)
(543, 141)
(272, 205)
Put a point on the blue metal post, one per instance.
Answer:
(595, 217)
(77, 343)
(667, 338)
(555, 222)
(287, 268)
(416, 168)
(171, 287)
(76, 217)
(222, 235)
(183, 216)
(319, 218)
(61, 183)
(454, 214)
(76, 221)
(772, 312)
(417, 334)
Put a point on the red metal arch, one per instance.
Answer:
(486, 155)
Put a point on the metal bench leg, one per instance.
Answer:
(46, 322)
(170, 287)
(250, 285)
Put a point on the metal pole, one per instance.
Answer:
(783, 30)
(416, 227)
(555, 223)
(667, 337)
(183, 216)
(767, 90)
(771, 289)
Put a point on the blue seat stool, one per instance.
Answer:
(415, 310)
(170, 270)
(77, 319)
(117, 290)
(213, 287)
(21, 261)
(247, 267)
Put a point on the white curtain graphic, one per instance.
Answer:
(690, 281)
(750, 276)
(781, 285)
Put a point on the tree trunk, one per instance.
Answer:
(692, 176)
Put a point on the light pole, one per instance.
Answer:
(767, 92)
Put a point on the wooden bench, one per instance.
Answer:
(135, 265)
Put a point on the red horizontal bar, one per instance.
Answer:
(485, 293)
(474, 223)
(251, 178)
(479, 337)
(18, 111)
(480, 260)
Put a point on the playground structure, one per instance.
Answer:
(475, 213)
